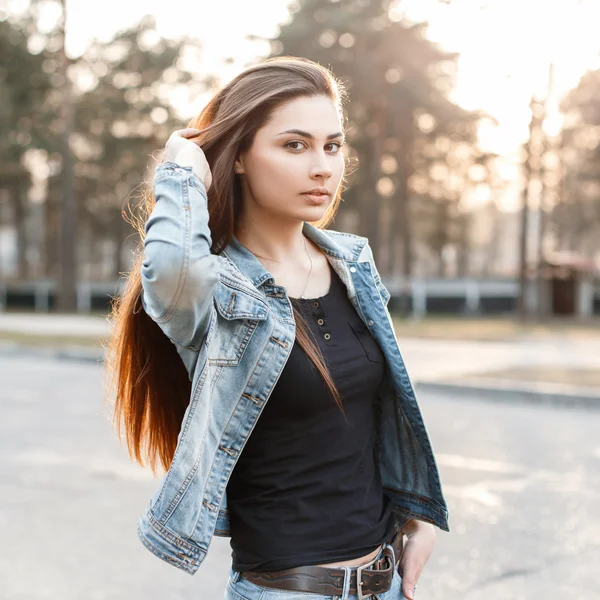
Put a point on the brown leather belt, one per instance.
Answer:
(372, 578)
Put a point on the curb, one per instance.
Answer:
(70, 353)
(512, 391)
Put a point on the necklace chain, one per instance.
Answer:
(309, 272)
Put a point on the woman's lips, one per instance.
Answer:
(317, 198)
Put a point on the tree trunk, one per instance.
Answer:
(18, 199)
(67, 290)
(401, 217)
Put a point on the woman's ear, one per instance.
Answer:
(238, 168)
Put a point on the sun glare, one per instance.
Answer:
(505, 47)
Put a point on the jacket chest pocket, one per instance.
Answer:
(236, 318)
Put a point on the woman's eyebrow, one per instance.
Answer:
(309, 135)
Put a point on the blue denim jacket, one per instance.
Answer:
(234, 329)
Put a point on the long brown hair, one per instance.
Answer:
(148, 382)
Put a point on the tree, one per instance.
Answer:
(575, 218)
(24, 87)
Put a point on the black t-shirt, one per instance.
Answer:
(306, 488)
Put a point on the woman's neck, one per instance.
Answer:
(282, 243)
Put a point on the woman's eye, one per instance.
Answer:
(337, 144)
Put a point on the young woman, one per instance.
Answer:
(240, 296)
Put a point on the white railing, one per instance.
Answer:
(469, 296)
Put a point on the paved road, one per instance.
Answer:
(522, 483)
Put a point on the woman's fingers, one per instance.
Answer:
(411, 565)
(409, 586)
(415, 554)
(187, 132)
(188, 152)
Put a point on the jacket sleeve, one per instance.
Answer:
(179, 273)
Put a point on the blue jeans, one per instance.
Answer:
(239, 588)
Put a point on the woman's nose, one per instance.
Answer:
(322, 168)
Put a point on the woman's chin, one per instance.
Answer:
(313, 216)
(316, 209)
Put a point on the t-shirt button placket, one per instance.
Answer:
(320, 319)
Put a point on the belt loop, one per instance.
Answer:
(393, 554)
(347, 581)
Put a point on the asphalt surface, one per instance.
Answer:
(522, 484)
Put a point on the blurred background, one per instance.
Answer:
(473, 124)
(474, 131)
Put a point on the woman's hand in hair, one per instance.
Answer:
(415, 554)
(188, 153)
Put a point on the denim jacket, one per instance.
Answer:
(234, 329)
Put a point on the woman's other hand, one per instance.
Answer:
(415, 554)
(188, 153)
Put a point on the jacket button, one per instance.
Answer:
(352, 269)
(370, 323)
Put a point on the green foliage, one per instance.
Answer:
(24, 87)
(122, 116)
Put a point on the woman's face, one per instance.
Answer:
(281, 166)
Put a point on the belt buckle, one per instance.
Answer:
(359, 582)
(359, 570)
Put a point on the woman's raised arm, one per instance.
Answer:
(179, 273)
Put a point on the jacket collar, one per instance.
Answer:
(337, 245)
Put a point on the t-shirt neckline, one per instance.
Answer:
(330, 292)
